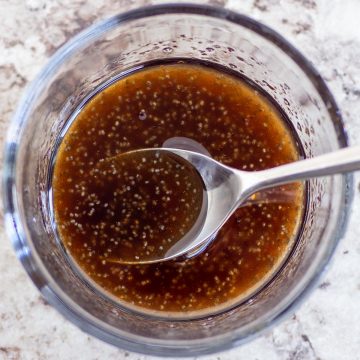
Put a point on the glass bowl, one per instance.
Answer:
(108, 50)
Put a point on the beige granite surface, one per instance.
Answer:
(327, 326)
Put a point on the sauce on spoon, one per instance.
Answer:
(146, 201)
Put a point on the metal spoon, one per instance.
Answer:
(227, 188)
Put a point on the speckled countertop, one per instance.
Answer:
(327, 326)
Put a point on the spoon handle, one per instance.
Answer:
(341, 161)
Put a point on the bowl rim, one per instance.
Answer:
(30, 262)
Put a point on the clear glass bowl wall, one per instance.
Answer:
(109, 49)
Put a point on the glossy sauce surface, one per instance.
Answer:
(237, 125)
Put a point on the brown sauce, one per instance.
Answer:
(99, 216)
